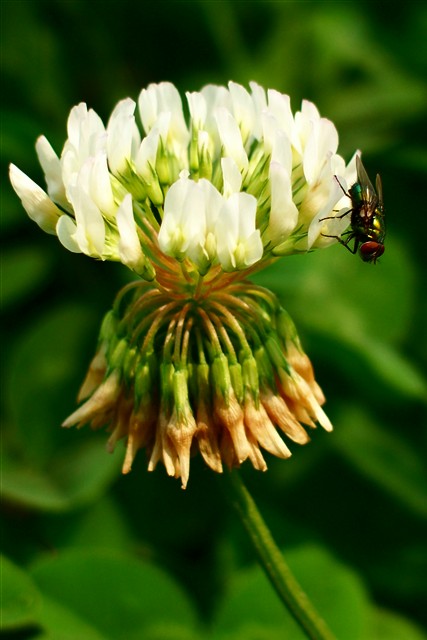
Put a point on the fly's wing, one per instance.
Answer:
(368, 191)
(379, 190)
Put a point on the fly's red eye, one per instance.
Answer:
(371, 250)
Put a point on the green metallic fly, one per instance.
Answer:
(367, 217)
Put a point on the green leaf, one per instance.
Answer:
(42, 378)
(394, 370)
(118, 595)
(61, 623)
(20, 599)
(77, 476)
(383, 457)
(101, 524)
(387, 625)
(252, 605)
(24, 269)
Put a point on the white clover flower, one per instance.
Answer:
(194, 356)
(241, 141)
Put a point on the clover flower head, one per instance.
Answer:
(192, 355)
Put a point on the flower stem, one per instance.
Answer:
(274, 564)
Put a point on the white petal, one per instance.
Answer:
(90, 234)
(247, 205)
(183, 217)
(213, 202)
(85, 128)
(243, 109)
(145, 161)
(35, 201)
(198, 108)
(120, 131)
(322, 142)
(232, 177)
(163, 98)
(77, 115)
(66, 230)
(260, 104)
(333, 226)
(147, 104)
(231, 138)
(283, 212)
(52, 170)
(239, 243)
(100, 185)
(129, 245)
(279, 105)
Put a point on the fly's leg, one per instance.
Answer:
(342, 188)
(343, 214)
(345, 242)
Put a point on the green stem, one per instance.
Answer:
(273, 563)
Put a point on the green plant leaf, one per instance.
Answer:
(42, 378)
(387, 625)
(59, 622)
(75, 477)
(101, 523)
(20, 599)
(383, 457)
(23, 270)
(118, 595)
(335, 591)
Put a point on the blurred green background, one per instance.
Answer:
(93, 555)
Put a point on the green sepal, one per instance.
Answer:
(205, 163)
(286, 327)
(118, 354)
(180, 390)
(221, 376)
(275, 353)
(129, 364)
(250, 378)
(167, 371)
(202, 372)
(193, 153)
(237, 380)
(264, 367)
(146, 270)
(145, 380)
(108, 326)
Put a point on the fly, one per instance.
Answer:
(367, 220)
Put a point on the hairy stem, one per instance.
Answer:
(274, 564)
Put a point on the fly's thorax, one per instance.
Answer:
(356, 195)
